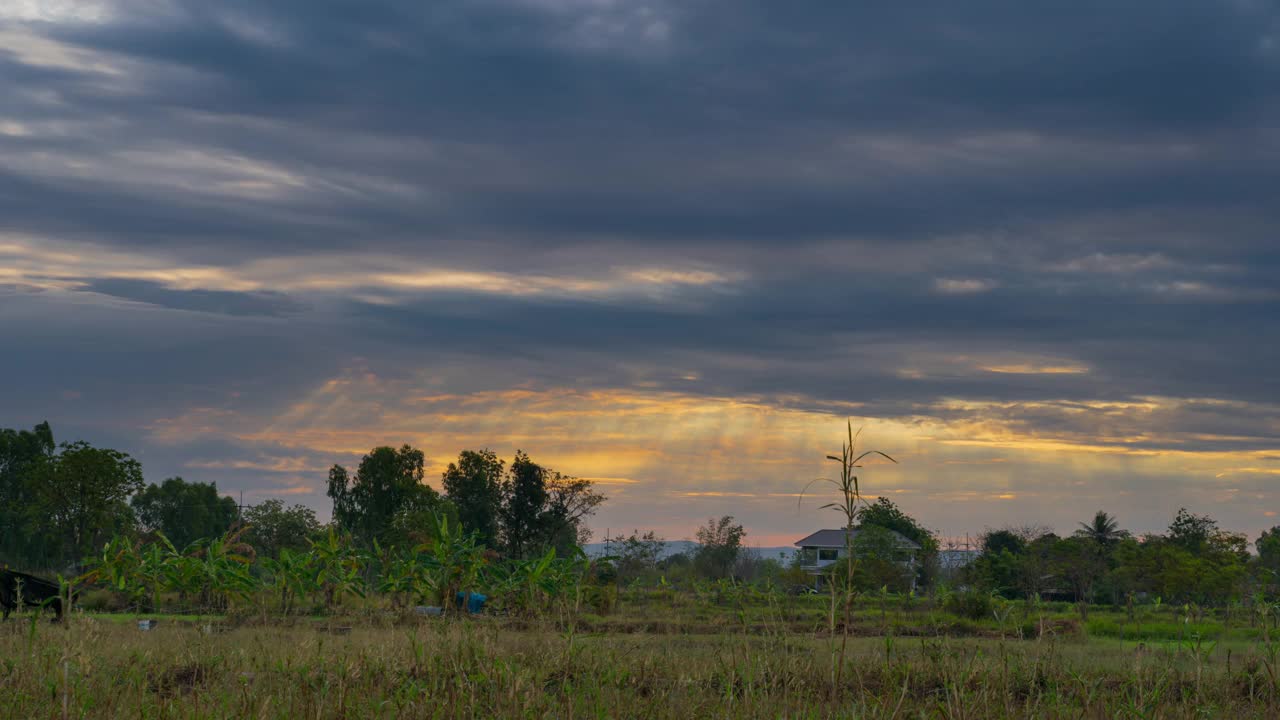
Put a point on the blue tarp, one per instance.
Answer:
(473, 601)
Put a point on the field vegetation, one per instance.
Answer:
(265, 612)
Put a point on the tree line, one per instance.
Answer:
(61, 502)
(1193, 561)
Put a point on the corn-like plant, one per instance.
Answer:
(849, 505)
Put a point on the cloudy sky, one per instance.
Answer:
(1031, 248)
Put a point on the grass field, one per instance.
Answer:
(657, 656)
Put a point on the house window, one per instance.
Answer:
(828, 554)
(808, 556)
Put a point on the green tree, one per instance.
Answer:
(80, 496)
(1035, 565)
(1268, 546)
(272, 527)
(879, 560)
(386, 481)
(1015, 562)
(719, 543)
(542, 509)
(418, 521)
(524, 495)
(21, 451)
(1196, 562)
(1005, 540)
(885, 514)
(184, 511)
(474, 485)
(637, 554)
(1077, 562)
(1192, 532)
(570, 502)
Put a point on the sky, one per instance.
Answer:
(1031, 249)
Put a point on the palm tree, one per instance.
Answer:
(1104, 530)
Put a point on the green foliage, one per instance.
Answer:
(570, 502)
(450, 564)
(637, 555)
(542, 509)
(79, 497)
(184, 512)
(387, 482)
(971, 604)
(885, 514)
(998, 541)
(20, 452)
(524, 499)
(1104, 530)
(719, 544)
(1268, 546)
(290, 576)
(1164, 567)
(209, 574)
(1268, 564)
(272, 528)
(1079, 563)
(1192, 532)
(880, 563)
(474, 486)
(336, 567)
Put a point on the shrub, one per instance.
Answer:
(969, 604)
(106, 601)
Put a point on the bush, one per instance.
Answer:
(970, 604)
(602, 599)
(103, 601)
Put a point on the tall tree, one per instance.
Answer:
(1192, 532)
(1268, 545)
(21, 451)
(719, 543)
(474, 485)
(1103, 530)
(525, 498)
(570, 502)
(81, 493)
(1006, 540)
(1077, 562)
(184, 511)
(637, 554)
(386, 481)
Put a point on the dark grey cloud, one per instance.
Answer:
(896, 197)
(219, 302)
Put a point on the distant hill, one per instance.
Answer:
(688, 546)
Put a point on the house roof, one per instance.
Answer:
(836, 539)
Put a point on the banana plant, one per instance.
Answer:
(153, 568)
(225, 567)
(338, 568)
(118, 566)
(401, 575)
(452, 562)
(291, 576)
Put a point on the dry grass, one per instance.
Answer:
(411, 668)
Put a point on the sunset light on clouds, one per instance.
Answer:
(670, 247)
